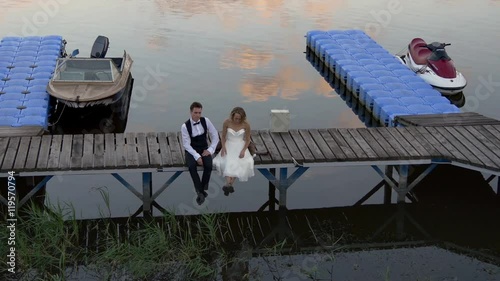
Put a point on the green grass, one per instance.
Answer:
(49, 246)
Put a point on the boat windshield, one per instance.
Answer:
(85, 70)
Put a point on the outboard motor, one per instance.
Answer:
(100, 47)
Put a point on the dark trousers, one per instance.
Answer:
(207, 170)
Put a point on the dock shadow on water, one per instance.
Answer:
(450, 232)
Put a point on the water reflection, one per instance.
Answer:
(289, 83)
(245, 57)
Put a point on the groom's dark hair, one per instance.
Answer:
(195, 104)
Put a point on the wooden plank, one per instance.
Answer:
(484, 161)
(496, 127)
(339, 154)
(384, 132)
(22, 153)
(121, 151)
(445, 143)
(469, 157)
(166, 155)
(153, 149)
(43, 156)
(315, 148)
(175, 149)
(271, 147)
(493, 131)
(88, 151)
(4, 142)
(292, 146)
(109, 150)
(391, 152)
(404, 143)
(132, 157)
(355, 146)
(10, 154)
(371, 142)
(33, 153)
(259, 144)
(422, 141)
(434, 142)
(181, 145)
(280, 144)
(486, 138)
(343, 146)
(65, 157)
(475, 139)
(77, 152)
(414, 143)
(98, 151)
(55, 151)
(142, 150)
(452, 119)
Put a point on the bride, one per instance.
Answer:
(234, 160)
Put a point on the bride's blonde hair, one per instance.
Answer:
(240, 111)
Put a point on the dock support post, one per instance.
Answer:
(402, 190)
(35, 189)
(272, 192)
(403, 183)
(282, 187)
(498, 186)
(282, 184)
(147, 190)
(387, 187)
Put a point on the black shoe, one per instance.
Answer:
(200, 199)
(231, 189)
(205, 194)
(226, 190)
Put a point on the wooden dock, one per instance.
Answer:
(476, 146)
(451, 119)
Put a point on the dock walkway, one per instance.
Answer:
(476, 146)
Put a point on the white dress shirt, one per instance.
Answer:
(198, 130)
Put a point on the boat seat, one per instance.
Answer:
(72, 76)
(104, 76)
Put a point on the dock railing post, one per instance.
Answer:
(147, 190)
(387, 187)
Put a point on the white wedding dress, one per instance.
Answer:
(231, 165)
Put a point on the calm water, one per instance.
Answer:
(250, 53)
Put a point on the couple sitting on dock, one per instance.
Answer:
(234, 160)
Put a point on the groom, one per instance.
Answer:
(194, 138)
